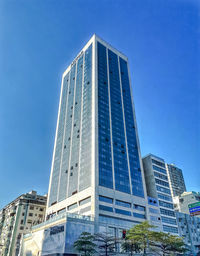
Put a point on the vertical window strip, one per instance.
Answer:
(105, 161)
(59, 140)
(86, 158)
(119, 150)
(135, 169)
(67, 141)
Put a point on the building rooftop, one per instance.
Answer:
(154, 156)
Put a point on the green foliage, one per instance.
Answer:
(139, 238)
(141, 234)
(85, 244)
(168, 243)
(106, 244)
(130, 246)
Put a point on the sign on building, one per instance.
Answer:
(194, 209)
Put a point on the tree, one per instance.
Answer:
(130, 246)
(105, 243)
(85, 244)
(141, 234)
(168, 243)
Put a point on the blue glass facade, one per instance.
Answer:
(135, 170)
(67, 139)
(116, 126)
(86, 126)
(96, 135)
(72, 158)
(120, 164)
(105, 158)
(59, 143)
(75, 135)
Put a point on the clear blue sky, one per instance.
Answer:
(39, 39)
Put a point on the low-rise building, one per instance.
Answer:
(17, 218)
(189, 229)
(57, 235)
(188, 202)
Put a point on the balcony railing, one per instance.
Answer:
(57, 217)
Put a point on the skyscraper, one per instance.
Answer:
(96, 167)
(176, 180)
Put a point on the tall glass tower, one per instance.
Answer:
(96, 167)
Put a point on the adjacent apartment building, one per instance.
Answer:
(17, 218)
(176, 180)
(157, 184)
(188, 202)
(189, 229)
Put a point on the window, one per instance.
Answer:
(168, 220)
(120, 211)
(139, 207)
(138, 215)
(170, 229)
(30, 214)
(161, 176)
(124, 204)
(156, 168)
(164, 190)
(164, 197)
(161, 182)
(165, 204)
(85, 201)
(31, 207)
(41, 209)
(106, 199)
(22, 222)
(21, 228)
(105, 208)
(62, 211)
(167, 212)
(72, 206)
(158, 163)
(40, 216)
(152, 210)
